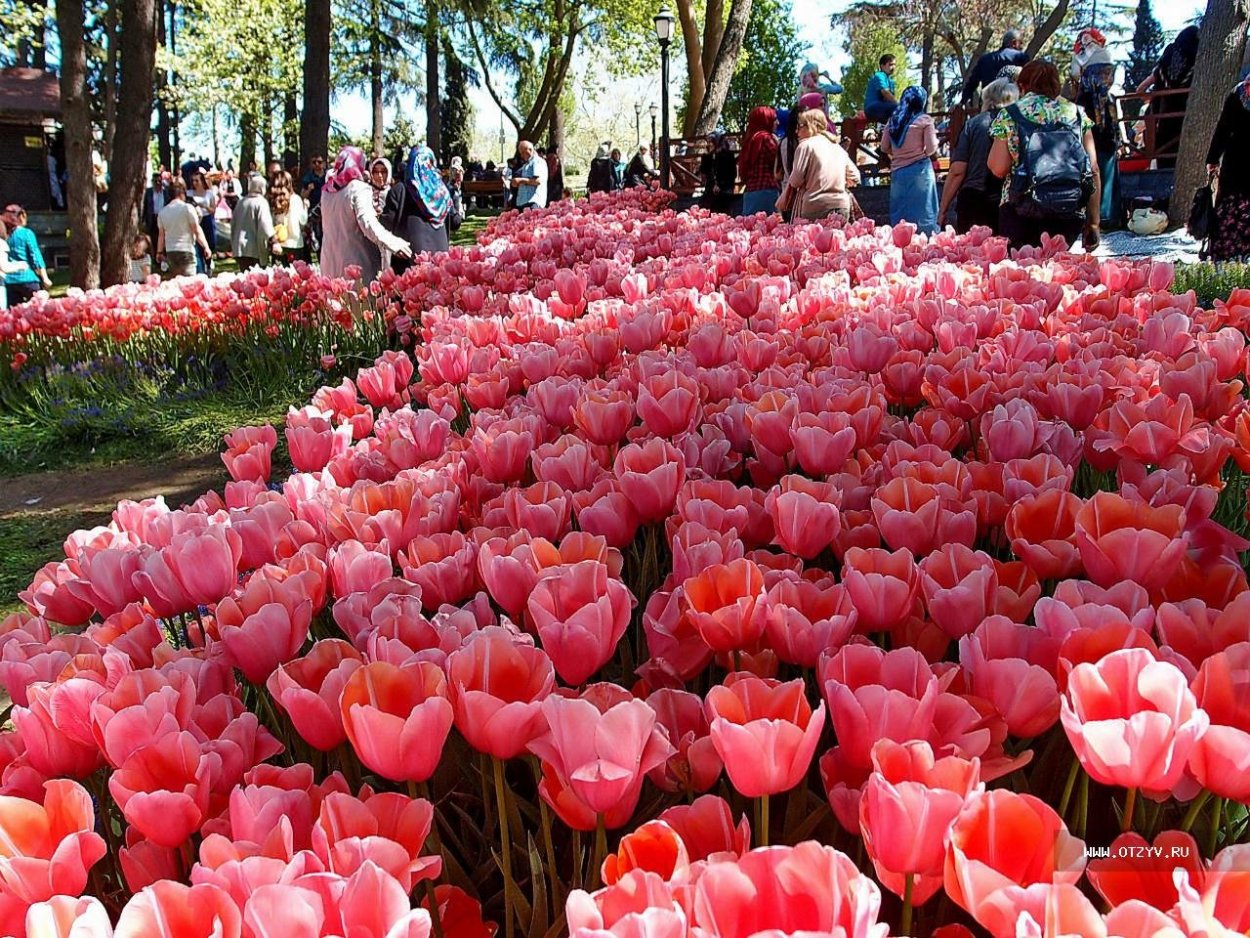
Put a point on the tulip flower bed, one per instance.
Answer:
(678, 575)
(111, 364)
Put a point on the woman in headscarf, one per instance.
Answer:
(757, 164)
(420, 210)
(352, 236)
(910, 140)
(1175, 70)
(719, 171)
(599, 179)
(252, 234)
(1230, 145)
(380, 179)
(1093, 96)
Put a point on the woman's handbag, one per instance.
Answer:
(857, 212)
(1202, 219)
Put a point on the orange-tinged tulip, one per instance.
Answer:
(163, 788)
(309, 688)
(172, 910)
(1138, 870)
(498, 683)
(654, 847)
(1001, 839)
(1128, 540)
(722, 600)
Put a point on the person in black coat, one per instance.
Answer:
(599, 179)
(719, 169)
(420, 209)
(1230, 145)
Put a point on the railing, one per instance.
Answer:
(1144, 153)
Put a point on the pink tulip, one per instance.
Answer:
(309, 688)
(764, 731)
(397, 718)
(580, 613)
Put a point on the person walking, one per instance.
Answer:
(1230, 145)
(289, 217)
(352, 234)
(179, 232)
(421, 209)
(1044, 149)
(154, 200)
(880, 98)
(252, 235)
(757, 164)
(7, 264)
(204, 197)
(618, 169)
(1010, 53)
(21, 285)
(970, 186)
(530, 178)
(910, 140)
(821, 174)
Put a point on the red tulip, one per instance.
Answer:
(694, 765)
(1042, 529)
(1122, 540)
(397, 718)
(960, 588)
(1012, 666)
(1137, 870)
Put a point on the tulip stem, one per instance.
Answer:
(601, 851)
(763, 832)
(1130, 806)
(1067, 788)
(909, 883)
(1083, 809)
(1194, 810)
(436, 919)
(1217, 818)
(505, 843)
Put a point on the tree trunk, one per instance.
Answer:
(375, 77)
(266, 133)
(137, 64)
(314, 136)
(1220, 49)
(513, 118)
(290, 131)
(175, 118)
(247, 143)
(696, 83)
(433, 119)
(164, 146)
(713, 34)
(84, 255)
(110, 82)
(556, 138)
(1048, 28)
(723, 71)
(926, 59)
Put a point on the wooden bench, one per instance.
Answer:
(483, 194)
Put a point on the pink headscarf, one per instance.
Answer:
(349, 165)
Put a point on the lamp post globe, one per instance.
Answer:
(637, 124)
(663, 21)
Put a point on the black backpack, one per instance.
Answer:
(1053, 177)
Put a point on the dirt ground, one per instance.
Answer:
(100, 489)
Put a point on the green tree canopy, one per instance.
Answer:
(866, 42)
(767, 71)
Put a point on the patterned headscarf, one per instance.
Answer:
(911, 105)
(425, 183)
(349, 166)
(1096, 82)
(379, 193)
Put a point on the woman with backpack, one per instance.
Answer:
(1044, 150)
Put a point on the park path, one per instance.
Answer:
(99, 489)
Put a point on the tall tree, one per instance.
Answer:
(866, 42)
(1221, 47)
(314, 135)
(723, 71)
(1148, 43)
(701, 39)
(84, 255)
(137, 70)
(772, 43)
(433, 115)
(455, 108)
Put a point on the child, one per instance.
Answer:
(140, 258)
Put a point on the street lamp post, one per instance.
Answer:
(653, 111)
(637, 124)
(664, 33)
